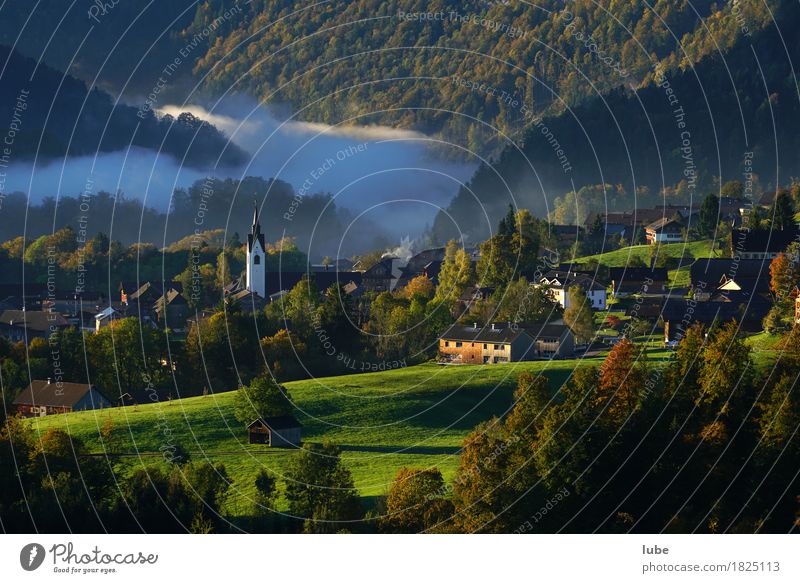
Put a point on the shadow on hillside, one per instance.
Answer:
(421, 450)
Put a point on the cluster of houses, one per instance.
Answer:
(720, 290)
(663, 224)
(31, 311)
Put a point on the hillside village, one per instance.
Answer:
(746, 273)
(536, 304)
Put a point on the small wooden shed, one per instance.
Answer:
(281, 431)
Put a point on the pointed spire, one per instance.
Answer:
(256, 230)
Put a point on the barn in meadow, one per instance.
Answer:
(283, 431)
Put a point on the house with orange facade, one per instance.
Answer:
(507, 342)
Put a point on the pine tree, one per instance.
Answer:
(709, 216)
(783, 211)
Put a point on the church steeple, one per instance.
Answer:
(256, 228)
(256, 257)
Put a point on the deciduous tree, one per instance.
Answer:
(417, 502)
(578, 315)
(262, 398)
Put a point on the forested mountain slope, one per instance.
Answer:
(409, 63)
(52, 114)
(735, 115)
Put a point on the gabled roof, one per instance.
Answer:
(567, 279)
(35, 320)
(544, 330)
(246, 295)
(664, 222)
(499, 334)
(44, 393)
(105, 313)
(286, 280)
(707, 312)
(278, 423)
(173, 296)
(752, 299)
(710, 273)
(505, 333)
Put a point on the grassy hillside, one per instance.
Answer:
(678, 278)
(416, 416)
(624, 256)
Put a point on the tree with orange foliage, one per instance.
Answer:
(420, 285)
(784, 273)
(621, 386)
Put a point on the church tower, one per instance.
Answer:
(256, 256)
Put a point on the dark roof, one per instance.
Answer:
(664, 222)
(504, 333)
(762, 241)
(636, 217)
(286, 280)
(707, 312)
(544, 330)
(51, 394)
(638, 273)
(501, 333)
(32, 319)
(147, 289)
(645, 308)
(708, 273)
(433, 269)
(173, 296)
(278, 423)
(751, 284)
(751, 298)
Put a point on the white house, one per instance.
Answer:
(104, 317)
(559, 283)
(665, 230)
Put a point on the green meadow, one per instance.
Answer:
(416, 416)
(623, 257)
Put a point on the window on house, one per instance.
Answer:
(447, 343)
(458, 344)
(257, 260)
(497, 347)
(485, 346)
